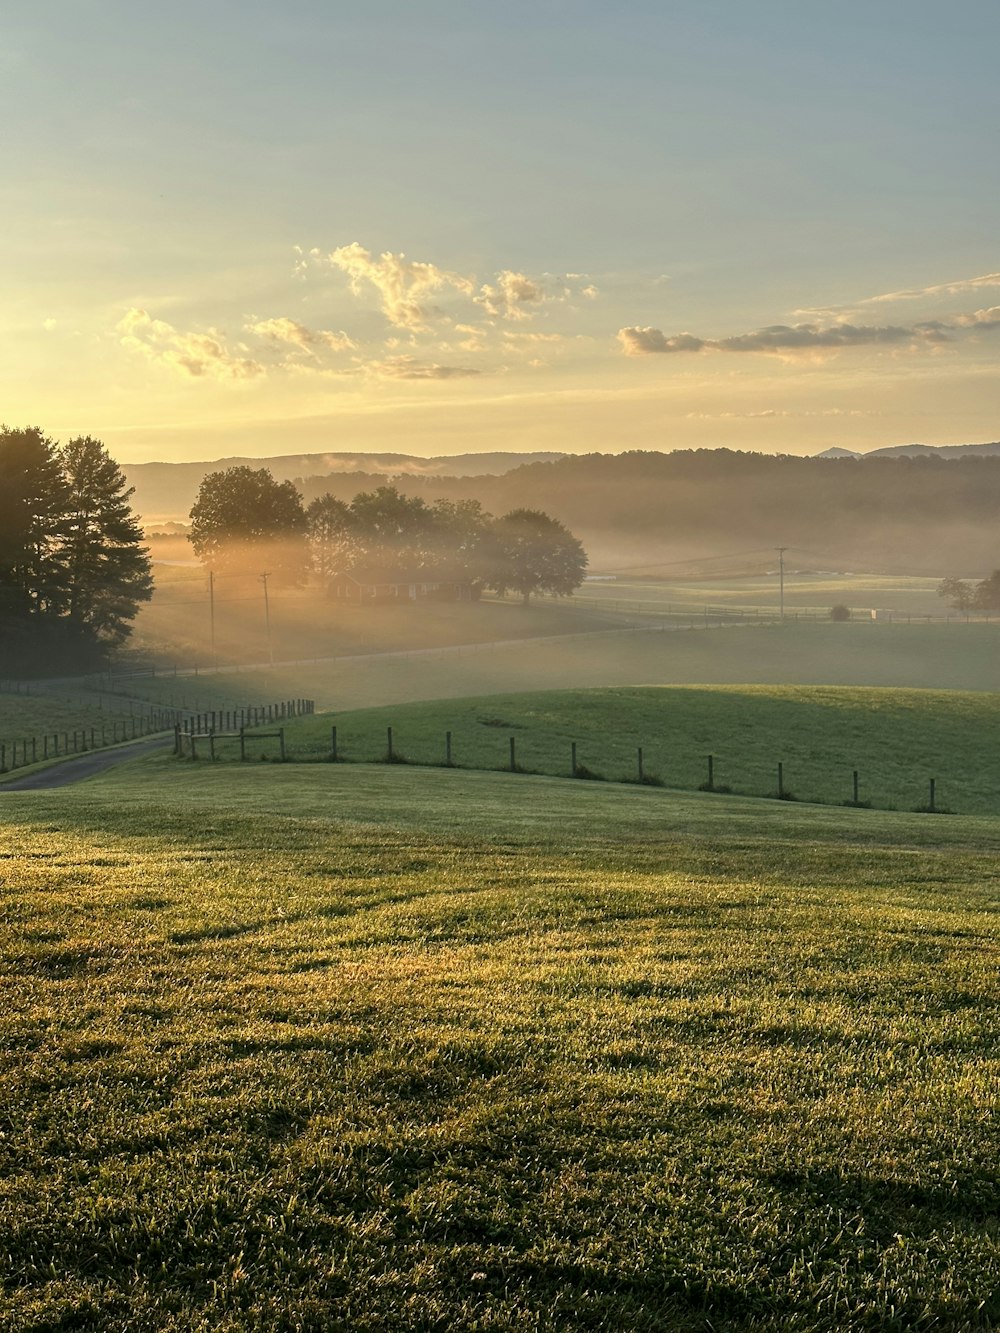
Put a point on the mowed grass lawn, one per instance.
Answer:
(369, 1048)
(895, 739)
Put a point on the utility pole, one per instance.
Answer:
(267, 617)
(211, 606)
(781, 578)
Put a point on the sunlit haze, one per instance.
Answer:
(243, 228)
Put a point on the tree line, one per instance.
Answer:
(244, 520)
(967, 595)
(908, 515)
(73, 568)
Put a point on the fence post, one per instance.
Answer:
(34, 749)
(45, 746)
(513, 759)
(855, 787)
(447, 749)
(211, 744)
(243, 745)
(281, 742)
(639, 757)
(781, 779)
(572, 758)
(177, 738)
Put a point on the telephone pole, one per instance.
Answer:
(211, 606)
(781, 579)
(267, 617)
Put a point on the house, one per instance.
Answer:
(366, 584)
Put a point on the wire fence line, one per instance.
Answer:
(242, 745)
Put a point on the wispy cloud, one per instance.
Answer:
(932, 293)
(777, 339)
(198, 355)
(411, 368)
(770, 412)
(284, 330)
(940, 289)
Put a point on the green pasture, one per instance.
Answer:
(805, 592)
(311, 1048)
(23, 716)
(921, 656)
(896, 739)
(177, 624)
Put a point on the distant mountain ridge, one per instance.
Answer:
(937, 451)
(918, 451)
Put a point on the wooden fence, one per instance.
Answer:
(61, 744)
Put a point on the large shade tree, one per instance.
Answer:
(331, 536)
(244, 521)
(536, 554)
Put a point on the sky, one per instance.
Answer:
(445, 226)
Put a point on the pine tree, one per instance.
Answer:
(33, 501)
(107, 567)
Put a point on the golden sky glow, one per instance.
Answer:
(310, 231)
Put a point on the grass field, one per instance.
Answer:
(176, 625)
(896, 739)
(812, 593)
(369, 1048)
(954, 657)
(24, 716)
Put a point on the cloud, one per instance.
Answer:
(198, 355)
(941, 289)
(507, 297)
(977, 319)
(402, 284)
(907, 294)
(410, 368)
(284, 330)
(778, 339)
(778, 412)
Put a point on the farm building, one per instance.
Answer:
(365, 585)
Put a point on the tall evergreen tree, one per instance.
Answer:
(33, 503)
(107, 567)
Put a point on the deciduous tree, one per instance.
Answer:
(536, 553)
(243, 520)
(332, 535)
